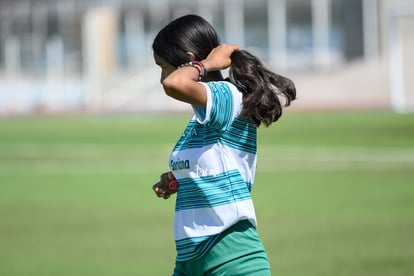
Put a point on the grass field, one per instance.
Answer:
(334, 195)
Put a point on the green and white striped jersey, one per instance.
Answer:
(214, 162)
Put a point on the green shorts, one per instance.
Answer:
(238, 251)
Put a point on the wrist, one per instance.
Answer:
(201, 68)
(207, 65)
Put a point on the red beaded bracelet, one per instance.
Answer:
(202, 67)
(202, 71)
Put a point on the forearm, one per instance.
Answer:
(182, 85)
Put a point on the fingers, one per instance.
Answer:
(166, 186)
(219, 57)
(233, 47)
(229, 47)
(224, 50)
(160, 192)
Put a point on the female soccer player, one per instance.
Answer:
(212, 166)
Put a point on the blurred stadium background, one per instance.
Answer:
(90, 55)
(85, 130)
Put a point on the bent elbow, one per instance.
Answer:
(171, 84)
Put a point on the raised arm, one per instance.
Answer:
(183, 83)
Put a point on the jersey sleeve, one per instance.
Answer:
(223, 105)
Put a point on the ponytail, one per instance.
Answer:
(261, 88)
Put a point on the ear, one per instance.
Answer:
(191, 55)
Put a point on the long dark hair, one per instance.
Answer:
(261, 87)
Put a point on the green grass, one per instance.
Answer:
(334, 195)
